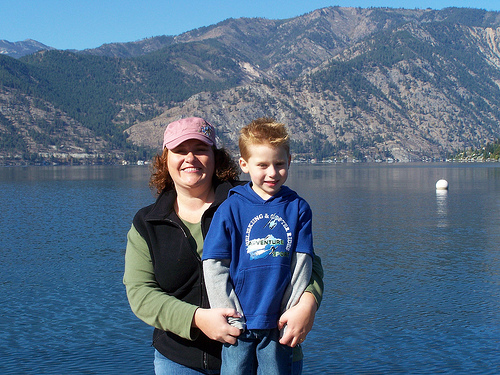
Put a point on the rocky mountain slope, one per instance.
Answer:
(360, 83)
(20, 49)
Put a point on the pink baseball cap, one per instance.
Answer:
(188, 128)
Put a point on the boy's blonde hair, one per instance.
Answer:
(264, 130)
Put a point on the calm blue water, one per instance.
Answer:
(412, 277)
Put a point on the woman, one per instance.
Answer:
(163, 268)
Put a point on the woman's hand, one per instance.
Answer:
(299, 320)
(213, 323)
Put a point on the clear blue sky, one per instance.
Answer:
(80, 24)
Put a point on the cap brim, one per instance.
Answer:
(186, 137)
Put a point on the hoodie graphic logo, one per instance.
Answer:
(270, 239)
(271, 224)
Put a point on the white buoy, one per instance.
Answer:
(442, 185)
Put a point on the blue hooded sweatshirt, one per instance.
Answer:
(259, 238)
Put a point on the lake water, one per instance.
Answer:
(412, 276)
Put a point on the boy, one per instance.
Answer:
(257, 256)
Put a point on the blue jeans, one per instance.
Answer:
(258, 352)
(165, 366)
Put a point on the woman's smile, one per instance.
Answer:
(191, 169)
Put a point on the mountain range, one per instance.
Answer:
(350, 83)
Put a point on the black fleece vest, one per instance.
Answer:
(178, 271)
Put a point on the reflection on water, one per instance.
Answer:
(412, 275)
(442, 211)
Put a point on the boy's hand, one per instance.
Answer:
(213, 323)
(299, 320)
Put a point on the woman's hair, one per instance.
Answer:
(264, 130)
(225, 169)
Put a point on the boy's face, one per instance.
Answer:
(268, 168)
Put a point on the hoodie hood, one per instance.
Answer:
(246, 193)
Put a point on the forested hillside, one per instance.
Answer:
(488, 152)
(351, 83)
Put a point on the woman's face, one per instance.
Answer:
(191, 164)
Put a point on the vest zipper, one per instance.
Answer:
(205, 360)
(185, 236)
